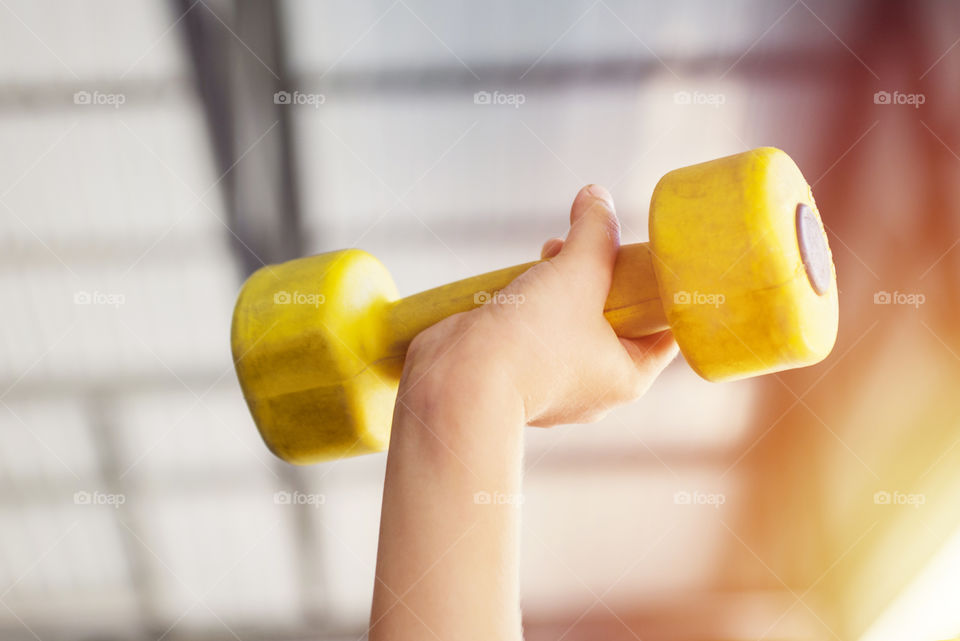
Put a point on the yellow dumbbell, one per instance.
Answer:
(738, 267)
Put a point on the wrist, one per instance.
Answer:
(455, 377)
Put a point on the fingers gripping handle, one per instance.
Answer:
(633, 305)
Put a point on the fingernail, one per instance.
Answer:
(600, 192)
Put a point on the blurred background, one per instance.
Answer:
(153, 154)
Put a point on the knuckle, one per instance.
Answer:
(607, 218)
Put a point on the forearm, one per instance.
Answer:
(448, 564)
(448, 561)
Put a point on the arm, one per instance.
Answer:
(448, 561)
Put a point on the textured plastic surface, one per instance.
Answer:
(308, 351)
(727, 258)
(319, 342)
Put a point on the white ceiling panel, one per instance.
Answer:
(195, 437)
(219, 556)
(63, 549)
(344, 37)
(45, 444)
(163, 318)
(396, 166)
(66, 42)
(667, 531)
(136, 174)
(347, 525)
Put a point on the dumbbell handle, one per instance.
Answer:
(633, 305)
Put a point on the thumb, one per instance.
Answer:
(593, 240)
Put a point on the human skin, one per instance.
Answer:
(447, 566)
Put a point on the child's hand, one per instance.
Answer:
(547, 334)
(543, 354)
